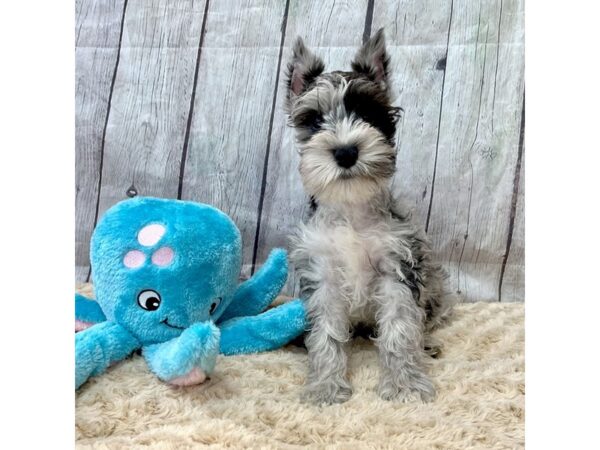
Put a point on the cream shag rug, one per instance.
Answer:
(252, 401)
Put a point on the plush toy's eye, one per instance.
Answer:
(215, 305)
(149, 300)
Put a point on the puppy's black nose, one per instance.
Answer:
(346, 156)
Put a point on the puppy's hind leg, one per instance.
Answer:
(325, 341)
(400, 342)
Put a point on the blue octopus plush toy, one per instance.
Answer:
(166, 282)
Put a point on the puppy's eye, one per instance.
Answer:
(315, 125)
(214, 305)
(312, 120)
(149, 300)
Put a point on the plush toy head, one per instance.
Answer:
(161, 265)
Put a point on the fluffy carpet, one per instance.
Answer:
(253, 401)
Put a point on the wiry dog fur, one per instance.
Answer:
(359, 258)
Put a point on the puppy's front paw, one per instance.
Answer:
(327, 392)
(418, 388)
(433, 347)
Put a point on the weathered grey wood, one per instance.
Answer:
(457, 142)
(334, 31)
(417, 38)
(151, 99)
(229, 134)
(97, 32)
(477, 151)
(513, 280)
(512, 288)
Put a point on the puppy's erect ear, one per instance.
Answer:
(372, 59)
(302, 69)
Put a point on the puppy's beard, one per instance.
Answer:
(352, 191)
(324, 179)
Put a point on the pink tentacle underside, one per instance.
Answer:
(194, 376)
(80, 325)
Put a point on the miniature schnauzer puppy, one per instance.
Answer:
(359, 259)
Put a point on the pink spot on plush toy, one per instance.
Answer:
(151, 234)
(81, 325)
(163, 256)
(133, 259)
(195, 376)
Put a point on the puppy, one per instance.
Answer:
(359, 259)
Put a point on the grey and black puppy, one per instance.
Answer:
(359, 259)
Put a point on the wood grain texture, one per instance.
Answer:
(98, 26)
(229, 136)
(478, 146)
(153, 85)
(417, 39)
(333, 30)
(171, 102)
(512, 287)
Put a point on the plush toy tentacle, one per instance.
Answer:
(87, 312)
(266, 331)
(187, 358)
(99, 346)
(254, 295)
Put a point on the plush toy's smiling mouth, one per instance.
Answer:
(166, 322)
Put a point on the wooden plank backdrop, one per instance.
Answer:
(184, 99)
